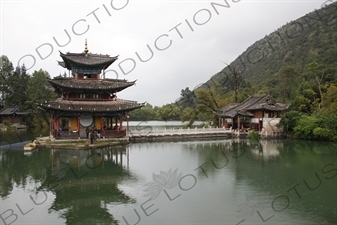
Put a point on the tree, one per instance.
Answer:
(38, 90)
(189, 115)
(321, 126)
(289, 120)
(16, 85)
(306, 99)
(316, 70)
(208, 101)
(235, 80)
(145, 113)
(6, 70)
(187, 99)
(169, 112)
(286, 82)
(305, 126)
(329, 102)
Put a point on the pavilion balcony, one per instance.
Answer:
(90, 99)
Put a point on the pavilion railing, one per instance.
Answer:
(113, 133)
(149, 131)
(66, 134)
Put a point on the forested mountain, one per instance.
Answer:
(295, 64)
(309, 39)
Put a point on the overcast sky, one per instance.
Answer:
(189, 39)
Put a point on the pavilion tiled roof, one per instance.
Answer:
(61, 63)
(11, 110)
(109, 85)
(118, 105)
(253, 103)
(86, 59)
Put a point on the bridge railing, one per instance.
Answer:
(148, 131)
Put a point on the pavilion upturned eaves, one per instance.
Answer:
(252, 103)
(87, 85)
(118, 106)
(86, 62)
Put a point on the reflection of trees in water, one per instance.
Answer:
(301, 147)
(272, 168)
(298, 163)
(215, 155)
(234, 149)
(85, 183)
(16, 169)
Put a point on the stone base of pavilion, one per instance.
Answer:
(77, 144)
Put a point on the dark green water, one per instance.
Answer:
(201, 182)
(12, 136)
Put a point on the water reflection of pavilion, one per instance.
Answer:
(87, 184)
(266, 149)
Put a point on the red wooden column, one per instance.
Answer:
(120, 123)
(78, 127)
(102, 126)
(54, 124)
(57, 125)
(51, 126)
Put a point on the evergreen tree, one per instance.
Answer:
(16, 85)
(329, 102)
(38, 90)
(187, 98)
(287, 82)
(306, 99)
(145, 113)
(6, 70)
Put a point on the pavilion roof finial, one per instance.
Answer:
(86, 47)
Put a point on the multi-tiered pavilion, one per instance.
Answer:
(88, 100)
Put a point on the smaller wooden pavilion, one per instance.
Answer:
(12, 114)
(88, 101)
(251, 113)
